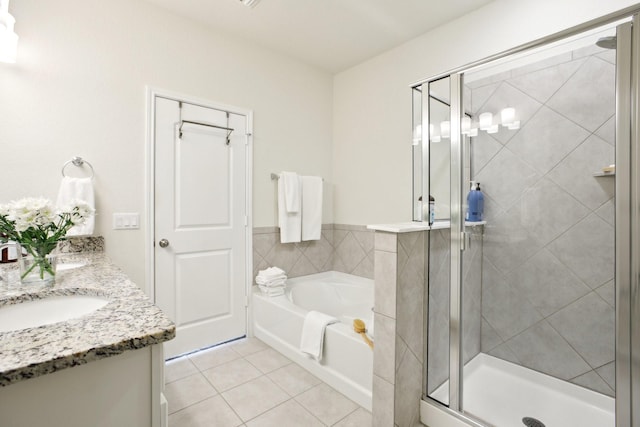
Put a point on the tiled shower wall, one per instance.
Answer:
(344, 248)
(548, 264)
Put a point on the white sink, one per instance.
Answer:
(30, 314)
(69, 266)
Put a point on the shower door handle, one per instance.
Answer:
(163, 243)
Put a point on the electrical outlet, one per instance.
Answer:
(126, 221)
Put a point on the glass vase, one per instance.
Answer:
(37, 270)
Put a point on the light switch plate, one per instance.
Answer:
(126, 221)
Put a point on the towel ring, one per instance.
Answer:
(78, 162)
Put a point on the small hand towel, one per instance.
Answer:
(271, 272)
(291, 191)
(311, 207)
(77, 189)
(271, 283)
(290, 223)
(313, 329)
(271, 292)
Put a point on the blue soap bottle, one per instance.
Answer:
(475, 204)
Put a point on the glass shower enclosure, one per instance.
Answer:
(530, 309)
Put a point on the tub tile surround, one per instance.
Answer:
(547, 297)
(343, 248)
(398, 353)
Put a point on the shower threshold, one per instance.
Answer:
(503, 394)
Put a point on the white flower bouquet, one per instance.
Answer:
(37, 226)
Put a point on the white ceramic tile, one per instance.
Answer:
(231, 374)
(588, 250)
(490, 338)
(248, 346)
(386, 241)
(484, 148)
(178, 368)
(267, 360)
(547, 283)
(507, 311)
(589, 326)
(592, 381)
(608, 373)
(575, 172)
(480, 95)
(542, 84)
(608, 293)
(326, 404)
(187, 391)
(350, 252)
(283, 255)
(505, 177)
(318, 252)
(290, 413)
(211, 412)
(588, 98)
(508, 96)
(255, 397)
(408, 391)
(541, 348)
(207, 359)
(608, 131)
(358, 418)
(385, 267)
(382, 403)
(384, 350)
(546, 139)
(293, 379)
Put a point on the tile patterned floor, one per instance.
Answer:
(247, 383)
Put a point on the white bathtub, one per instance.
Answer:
(347, 363)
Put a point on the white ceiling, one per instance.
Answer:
(331, 34)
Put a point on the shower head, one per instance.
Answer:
(608, 42)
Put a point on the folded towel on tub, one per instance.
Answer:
(313, 329)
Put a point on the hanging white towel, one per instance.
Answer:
(78, 189)
(313, 329)
(311, 207)
(291, 191)
(290, 223)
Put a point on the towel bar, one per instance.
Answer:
(78, 162)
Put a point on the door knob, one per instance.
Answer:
(163, 243)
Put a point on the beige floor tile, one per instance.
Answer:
(187, 391)
(178, 368)
(248, 346)
(359, 418)
(231, 374)
(268, 360)
(255, 397)
(326, 403)
(289, 414)
(293, 379)
(211, 412)
(207, 359)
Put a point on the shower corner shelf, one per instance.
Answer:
(601, 174)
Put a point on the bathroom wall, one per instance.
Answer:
(345, 248)
(372, 130)
(548, 264)
(78, 88)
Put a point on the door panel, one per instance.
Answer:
(200, 210)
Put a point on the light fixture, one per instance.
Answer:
(250, 3)
(8, 37)
(486, 120)
(417, 135)
(515, 125)
(508, 116)
(493, 129)
(445, 130)
(434, 134)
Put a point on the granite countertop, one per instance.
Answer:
(129, 321)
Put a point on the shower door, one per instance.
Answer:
(533, 325)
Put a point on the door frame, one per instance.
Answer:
(151, 94)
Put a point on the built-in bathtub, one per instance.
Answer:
(347, 362)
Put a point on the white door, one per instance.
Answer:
(200, 224)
